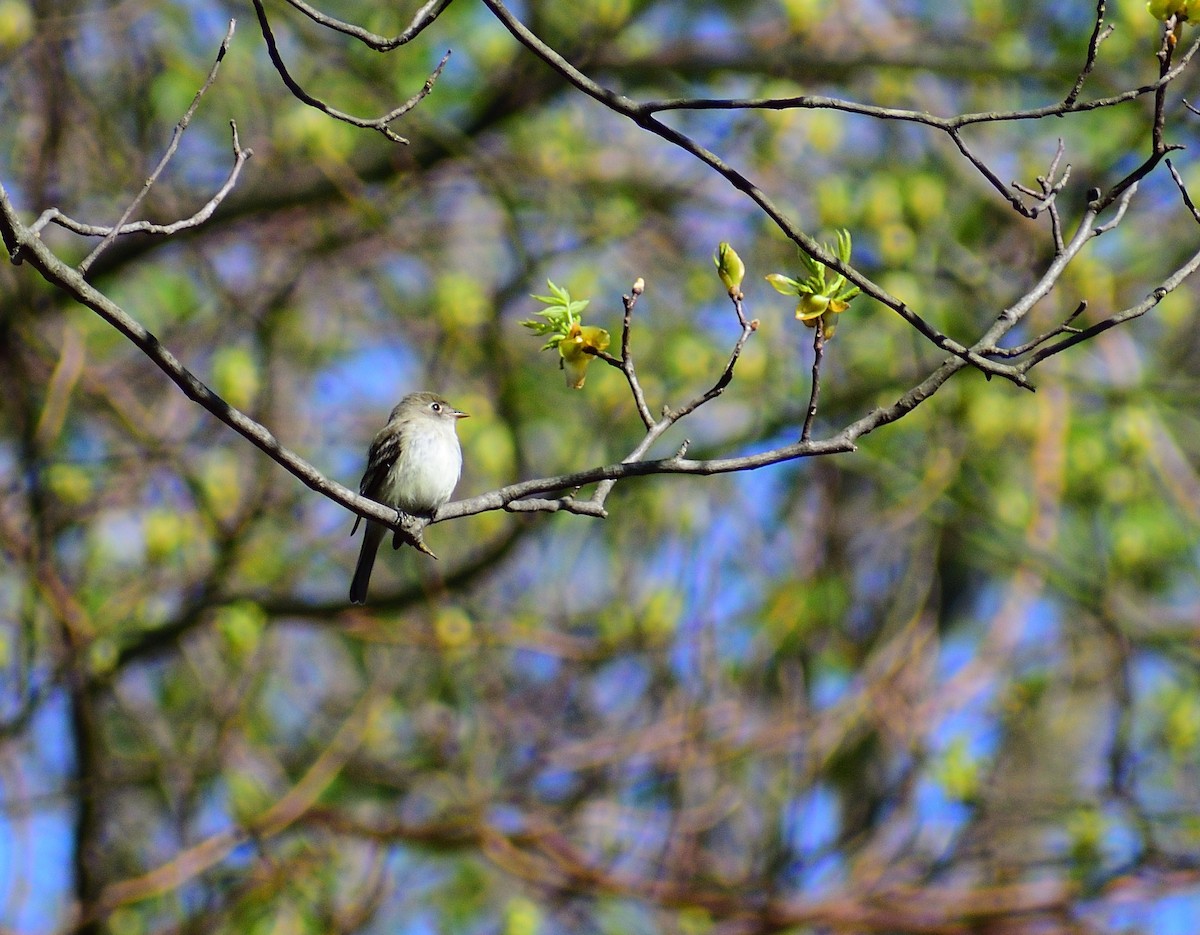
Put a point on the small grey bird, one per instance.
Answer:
(413, 465)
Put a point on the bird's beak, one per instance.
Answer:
(458, 414)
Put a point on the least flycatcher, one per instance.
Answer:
(413, 466)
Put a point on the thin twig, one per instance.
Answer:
(1165, 53)
(982, 167)
(1100, 32)
(820, 102)
(382, 124)
(748, 328)
(818, 353)
(423, 17)
(1169, 285)
(1056, 232)
(1158, 147)
(55, 216)
(1048, 188)
(1064, 328)
(1122, 206)
(176, 136)
(594, 505)
(626, 363)
(1187, 198)
(1012, 315)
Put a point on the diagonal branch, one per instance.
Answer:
(1187, 198)
(1065, 328)
(20, 241)
(748, 326)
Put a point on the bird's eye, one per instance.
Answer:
(436, 407)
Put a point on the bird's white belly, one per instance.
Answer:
(425, 474)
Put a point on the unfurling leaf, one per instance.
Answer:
(819, 299)
(730, 268)
(783, 284)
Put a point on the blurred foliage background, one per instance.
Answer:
(948, 682)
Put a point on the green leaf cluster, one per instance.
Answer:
(820, 298)
(561, 315)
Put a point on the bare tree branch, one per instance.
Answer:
(1064, 328)
(952, 125)
(1187, 198)
(946, 124)
(748, 326)
(18, 238)
(382, 124)
(625, 363)
(109, 234)
(20, 241)
(1168, 285)
(1100, 32)
(55, 216)
(815, 392)
(423, 17)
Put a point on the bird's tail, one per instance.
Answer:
(366, 561)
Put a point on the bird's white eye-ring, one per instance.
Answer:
(436, 407)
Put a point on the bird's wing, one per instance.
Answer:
(385, 449)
